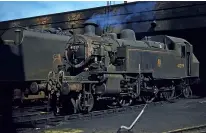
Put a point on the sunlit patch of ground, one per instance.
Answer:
(67, 130)
(81, 131)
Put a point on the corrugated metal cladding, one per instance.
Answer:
(135, 15)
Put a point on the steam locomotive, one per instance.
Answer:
(121, 70)
(27, 55)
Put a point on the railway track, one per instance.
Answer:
(30, 106)
(44, 119)
(194, 129)
(38, 121)
(30, 109)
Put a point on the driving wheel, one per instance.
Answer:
(85, 102)
(187, 92)
(169, 94)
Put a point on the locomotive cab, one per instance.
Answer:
(183, 50)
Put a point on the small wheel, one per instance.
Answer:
(125, 101)
(187, 92)
(85, 104)
(168, 95)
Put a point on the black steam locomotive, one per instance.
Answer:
(27, 55)
(122, 70)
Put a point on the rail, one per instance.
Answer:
(40, 120)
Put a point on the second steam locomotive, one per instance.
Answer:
(27, 55)
(121, 70)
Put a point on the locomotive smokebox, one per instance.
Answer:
(90, 28)
(127, 34)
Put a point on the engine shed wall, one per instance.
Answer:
(135, 15)
(181, 19)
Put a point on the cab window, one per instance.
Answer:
(183, 51)
(171, 46)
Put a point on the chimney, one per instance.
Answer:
(90, 28)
